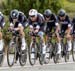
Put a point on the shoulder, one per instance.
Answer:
(67, 17)
(40, 16)
(53, 16)
(21, 14)
(73, 20)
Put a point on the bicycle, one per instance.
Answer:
(56, 56)
(14, 51)
(49, 48)
(65, 53)
(40, 52)
(33, 49)
(36, 50)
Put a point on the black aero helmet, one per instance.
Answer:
(14, 14)
(47, 13)
(61, 12)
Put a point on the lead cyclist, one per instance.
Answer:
(36, 21)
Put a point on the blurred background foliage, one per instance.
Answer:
(26, 5)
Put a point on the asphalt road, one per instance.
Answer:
(62, 66)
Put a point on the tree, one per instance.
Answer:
(40, 5)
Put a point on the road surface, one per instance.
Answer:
(69, 66)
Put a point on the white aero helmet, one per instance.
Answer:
(1, 13)
(33, 12)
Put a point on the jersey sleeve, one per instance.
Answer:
(55, 18)
(68, 19)
(2, 22)
(10, 19)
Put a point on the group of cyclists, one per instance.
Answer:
(40, 24)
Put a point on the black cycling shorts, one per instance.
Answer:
(64, 28)
(50, 29)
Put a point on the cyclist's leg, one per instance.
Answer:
(48, 30)
(58, 40)
(46, 37)
(59, 44)
(21, 32)
(1, 41)
(41, 35)
(31, 32)
(69, 38)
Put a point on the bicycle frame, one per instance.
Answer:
(17, 42)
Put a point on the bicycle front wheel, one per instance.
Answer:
(48, 54)
(32, 53)
(41, 55)
(56, 55)
(23, 57)
(11, 53)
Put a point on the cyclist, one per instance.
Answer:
(51, 23)
(18, 22)
(2, 23)
(66, 26)
(36, 21)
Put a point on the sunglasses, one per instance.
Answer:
(32, 16)
(61, 15)
(47, 16)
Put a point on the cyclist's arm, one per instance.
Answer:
(23, 20)
(56, 24)
(20, 26)
(37, 29)
(11, 22)
(2, 22)
(68, 31)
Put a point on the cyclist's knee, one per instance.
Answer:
(58, 37)
(21, 30)
(0, 35)
(41, 34)
(68, 36)
(20, 27)
(46, 37)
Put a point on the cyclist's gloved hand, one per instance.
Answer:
(16, 29)
(36, 31)
(11, 27)
(26, 24)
